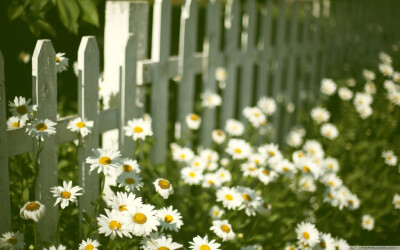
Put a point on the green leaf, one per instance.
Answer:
(86, 217)
(46, 27)
(89, 12)
(15, 11)
(25, 195)
(68, 11)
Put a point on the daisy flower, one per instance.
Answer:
(21, 108)
(130, 180)
(314, 149)
(191, 175)
(215, 212)
(229, 197)
(163, 187)
(294, 139)
(129, 165)
(258, 159)
(265, 208)
(367, 222)
(394, 97)
(249, 169)
(385, 69)
(326, 242)
(285, 167)
(390, 158)
(89, 244)
(306, 183)
(290, 247)
(143, 220)
(82, 126)
(238, 149)
(113, 223)
(166, 243)
(170, 219)
(332, 180)
(193, 121)
(199, 243)
(105, 160)
(255, 116)
(122, 202)
(11, 240)
(224, 175)
(138, 129)
(362, 99)
(61, 62)
(32, 210)
(251, 201)
(220, 74)
(267, 105)
(266, 175)
(148, 242)
(331, 164)
(385, 58)
(24, 57)
(210, 100)
(209, 155)
(199, 163)
(329, 131)
(218, 136)
(234, 127)
(252, 247)
(307, 234)
(370, 88)
(223, 230)
(345, 94)
(396, 76)
(269, 150)
(182, 154)
(15, 122)
(341, 244)
(320, 115)
(396, 201)
(59, 247)
(308, 167)
(40, 129)
(369, 75)
(66, 194)
(328, 87)
(211, 180)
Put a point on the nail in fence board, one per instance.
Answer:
(44, 93)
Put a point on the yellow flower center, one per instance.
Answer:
(216, 212)
(219, 133)
(122, 208)
(266, 205)
(238, 150)
(225, 229)
(271, 153)
(163, 248)
(81, 124)
(22, 110)
(191, 174)
(105, 160)
(139, 218)
(246, 197)
(57, 59)
(229, 197)
(194, 117)
(257, 161)
(163, 184)
(252, 169)
(183, 156)
(138, 130)
(114, 225)
(89, 247)
(285, 169)
(12, 241)
(41, 127)
(211, 182)
(306, 235)
(33, 206)
(196, 164)
(323, 245)
(127, 168)
(266, 172)
(256, 114)
(306, 169)
(15, 124)
(398, 203)
(331, 183)
(205, 247)
(129, 181)
(168, 219)
(65, 195)
(367, 222)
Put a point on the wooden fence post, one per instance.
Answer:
(88, 108)
(44, 94)
(127, 95)
(232, 21)
(5, 210)
(188, 39)
(212, 57)
(159, 97)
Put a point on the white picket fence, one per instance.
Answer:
(286, 66)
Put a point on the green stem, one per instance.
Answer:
(109, 244)
(35, 234)
(97, 205)
(58, 226)
(36, 167)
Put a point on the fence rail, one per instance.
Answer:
(246, 44)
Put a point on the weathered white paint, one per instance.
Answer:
(44, 94)
(88, 107)
(5, 210)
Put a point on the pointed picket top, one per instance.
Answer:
(44, 94)
(5, 209)
(88, 108)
